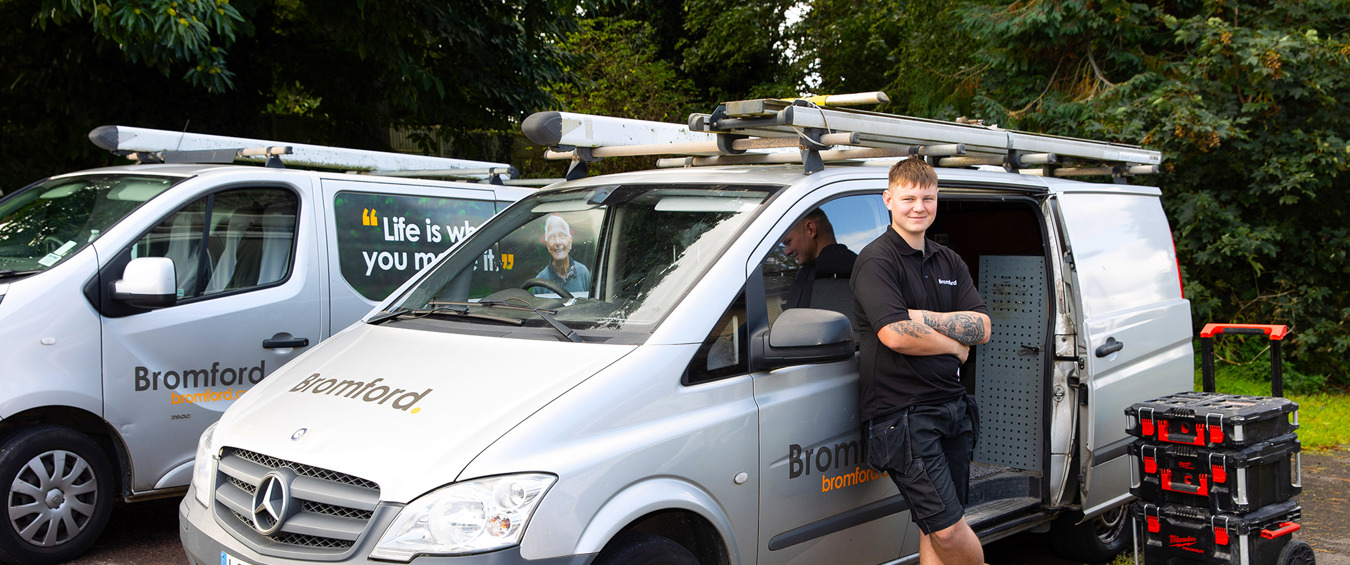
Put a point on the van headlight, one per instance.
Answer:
(204, 466)
(468, 517)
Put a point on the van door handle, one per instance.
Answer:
(1111, 346)
(285, 343)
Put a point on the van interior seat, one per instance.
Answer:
(184, 250)
(830, 284)
(242, 226)
(278, 233)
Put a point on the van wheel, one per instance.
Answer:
(58, 494)
(1297, 552)
(636, 548)
(1098, 540)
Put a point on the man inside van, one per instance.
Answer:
(562, 269)
(812, 243)
(919, 313)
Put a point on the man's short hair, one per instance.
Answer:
(913, 171)
(823, 225)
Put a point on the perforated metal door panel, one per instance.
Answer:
(1008, 369)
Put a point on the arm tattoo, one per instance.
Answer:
(910, 328)
(965, 328)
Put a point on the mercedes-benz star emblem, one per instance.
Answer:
(271, 503)
(299, 434)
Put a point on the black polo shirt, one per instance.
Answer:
(890, 278)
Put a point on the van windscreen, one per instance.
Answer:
(46, 222)
(606, 259)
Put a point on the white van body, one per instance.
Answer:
(132, 371)
(698, 414)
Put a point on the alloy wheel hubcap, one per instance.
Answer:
(52, 498)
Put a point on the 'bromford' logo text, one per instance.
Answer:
(846, 455)
(365, 391)
(198, 378)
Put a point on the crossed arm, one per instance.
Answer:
(936, 333)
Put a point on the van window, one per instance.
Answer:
(723, 352)
(384, 239)
(850, 222)
(228, 241)
(612, 259)
(46, 222)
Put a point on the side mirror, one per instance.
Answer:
(806, 335)
(147, 282)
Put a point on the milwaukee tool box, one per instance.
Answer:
(1184, 535)
(1213, 420)
(1220, 480)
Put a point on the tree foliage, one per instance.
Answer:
(160, 33)
(1248, 102)
(321, 71)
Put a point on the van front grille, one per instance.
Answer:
(336, 505)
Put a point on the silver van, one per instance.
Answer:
(138, 302)
(676, 406)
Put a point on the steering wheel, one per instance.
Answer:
(52, 243)
(548, 284)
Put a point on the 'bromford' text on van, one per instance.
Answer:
(632, 378)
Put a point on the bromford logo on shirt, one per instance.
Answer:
(371, 392)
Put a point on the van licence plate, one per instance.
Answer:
(227, 559)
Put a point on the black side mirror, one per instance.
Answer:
(805, 335)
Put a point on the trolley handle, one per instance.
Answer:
(1286, 528)
(1276, 334)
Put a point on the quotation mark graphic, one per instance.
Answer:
(369, 217)
(508, 260)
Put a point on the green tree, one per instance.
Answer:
(1248, 102)
(910, 49)
(323, 71)
(160, 33)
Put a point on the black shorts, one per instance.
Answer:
(927, 452)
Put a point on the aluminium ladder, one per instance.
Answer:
(161, 146)
(764, 130)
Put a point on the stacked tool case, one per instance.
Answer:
(1215, 474)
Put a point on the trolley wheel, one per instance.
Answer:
(1298, 552)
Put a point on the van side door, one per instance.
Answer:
(819, 502)
(249, 300)
(384, 233)
(1134, 334)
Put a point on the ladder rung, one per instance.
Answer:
(702, 147)
(785, 157)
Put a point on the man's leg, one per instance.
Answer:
(955, 545)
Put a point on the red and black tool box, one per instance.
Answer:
(1212, 420)
(1184, 535)
(1220, 480)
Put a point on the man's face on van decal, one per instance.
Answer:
(558, 238)
(913, 208)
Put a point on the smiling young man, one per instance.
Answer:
(919, 314)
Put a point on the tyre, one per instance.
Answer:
(58, 489)
(1297, 552)
(1098, 540)
(636, 548)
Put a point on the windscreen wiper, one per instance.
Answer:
(546, 315)
(443, 308)
(11, 273)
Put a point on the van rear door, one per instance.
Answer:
(1134, 334)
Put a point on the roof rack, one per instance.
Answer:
(765, 130)
(161, 146)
